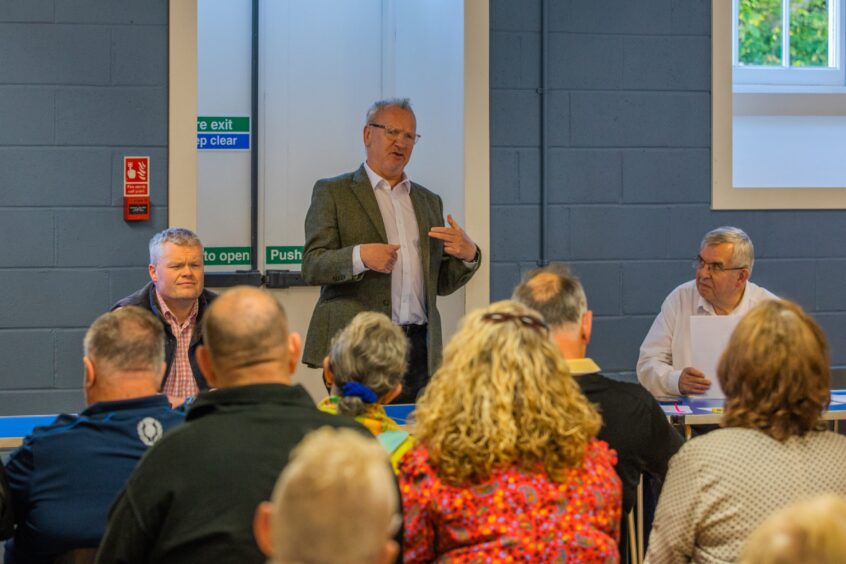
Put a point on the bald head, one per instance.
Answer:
(553, 292)
(246, 337)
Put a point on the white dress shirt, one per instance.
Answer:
(665, 351)
(408, 293)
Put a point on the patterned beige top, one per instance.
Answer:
(722, 485)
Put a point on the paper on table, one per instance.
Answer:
(709, 335)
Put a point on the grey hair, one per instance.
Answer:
(379, 105)
(129, 338)
(554, 292)
(176, 235)
(372, 351)
(743, 253)
(335, 501)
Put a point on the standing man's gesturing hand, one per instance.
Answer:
(456, 242)
(380, 257)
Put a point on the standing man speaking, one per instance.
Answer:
(375, 241)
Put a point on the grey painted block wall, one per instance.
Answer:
(629, 168)
(84, 83)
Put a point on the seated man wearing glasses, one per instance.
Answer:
(375, 241)
(721, 287)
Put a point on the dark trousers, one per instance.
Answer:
(417, 374)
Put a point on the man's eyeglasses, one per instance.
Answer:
(713, 267)
(525, 320)
(393, 133)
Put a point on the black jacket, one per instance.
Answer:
(634, 425)
(146, 298)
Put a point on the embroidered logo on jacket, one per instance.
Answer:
(149, 431)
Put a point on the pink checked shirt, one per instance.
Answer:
(180, 381)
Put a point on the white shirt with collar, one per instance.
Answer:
(665, 351)
(408, 292)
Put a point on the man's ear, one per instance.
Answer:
(587, 326)
(328, 377)
(389, 552)
(261, 528)
(295, 345)
(743, 277)
(205, 362)
(90, 376)
(152, 270)
(389, 397)
(365, 135)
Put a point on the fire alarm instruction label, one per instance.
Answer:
(216, 133)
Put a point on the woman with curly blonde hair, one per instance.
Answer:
(507, 464)
(773, 450)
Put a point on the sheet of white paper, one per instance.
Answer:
(709, 335)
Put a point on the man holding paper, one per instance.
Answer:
(721, 287)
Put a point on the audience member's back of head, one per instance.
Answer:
(555, 293)
(775, 371)
(810, 532)
(127, 339)
(372, 351)
(245, 327)
(335, 502)
(503, 397)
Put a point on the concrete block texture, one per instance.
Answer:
(513, 238)
(615, 341)
(138, 12)
(647, 283)
(666, 175)
(504, 277)
(55, 176)
(69, 358)
(27, 236)
(666, 63)
(601, 281)
(101, 238)
(830, 281)
(515, 60)
(611, 16)
(139, 55)
(799, 234)
(39, 54)
(27, 114)
(558, 118)
(585, 176)
(124, 281)
(614, 232)
(41, 402)
(35, 298)
(508, 15)
(691, 17)
(112, 116)
(26, 359)
(834, 325)
(517, 121)
(26, 11)
(515, 176)
(559, 242)
(640, 119)
(789, 279)
(689, 223)
(585, 61)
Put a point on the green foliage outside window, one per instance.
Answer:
(760, 28)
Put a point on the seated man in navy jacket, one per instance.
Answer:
(176, 296)
(66, 475)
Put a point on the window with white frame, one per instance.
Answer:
(788, 42)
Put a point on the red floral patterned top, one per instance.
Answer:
(514, 515)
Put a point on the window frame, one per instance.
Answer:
(834, 75)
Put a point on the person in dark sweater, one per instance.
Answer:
(633, 423)
(193, 497)
(176, 296)
(65, 476)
